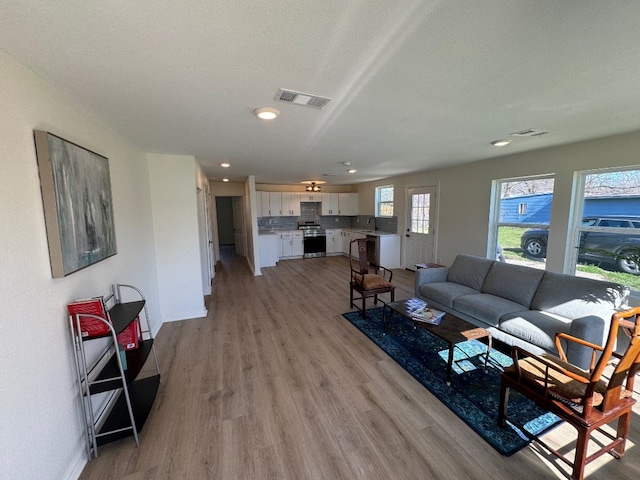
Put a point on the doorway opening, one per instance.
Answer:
(230, 222)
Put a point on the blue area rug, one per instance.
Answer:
(474, 394)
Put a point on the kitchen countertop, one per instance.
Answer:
(377, 233)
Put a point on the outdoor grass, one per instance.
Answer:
(509, 239)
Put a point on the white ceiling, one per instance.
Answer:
(415, 84)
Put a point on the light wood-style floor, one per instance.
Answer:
(275, 384)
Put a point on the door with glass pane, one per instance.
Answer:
(419, 241)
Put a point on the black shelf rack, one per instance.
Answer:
(132, 398)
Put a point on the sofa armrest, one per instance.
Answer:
(430, 275)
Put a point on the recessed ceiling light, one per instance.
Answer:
(225, 165)
(353, 170)
(500, 143)
(266, 113)
(225, 179)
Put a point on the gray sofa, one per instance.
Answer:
(524, 306)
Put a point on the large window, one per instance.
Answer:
(384, 201)
(520, 220)
(606, 226)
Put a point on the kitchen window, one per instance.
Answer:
(384, 201)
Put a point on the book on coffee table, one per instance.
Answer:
(428, 315)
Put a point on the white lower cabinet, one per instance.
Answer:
(347, 236)
(297, 244)
(291, 244)
(269, 249)
(334, 241)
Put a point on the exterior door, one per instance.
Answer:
(238, 226)
(420, 236)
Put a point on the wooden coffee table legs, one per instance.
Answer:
(452, 346)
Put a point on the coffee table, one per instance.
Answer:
(451, 329)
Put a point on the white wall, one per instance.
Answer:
(41, 436)
(465, 192)
(175, 227)
(251, 225)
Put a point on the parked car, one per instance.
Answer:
(618, 250)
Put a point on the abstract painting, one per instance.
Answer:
(76, 196)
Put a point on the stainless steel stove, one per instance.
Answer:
(314, 239)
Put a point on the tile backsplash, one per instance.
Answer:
(313, 211)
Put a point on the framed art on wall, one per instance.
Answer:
(76, 197)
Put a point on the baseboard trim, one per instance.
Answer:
(77, 465)
(185, 316)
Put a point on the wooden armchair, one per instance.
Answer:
(367, 279)
(582, 398)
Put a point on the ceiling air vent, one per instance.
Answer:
(530, 132)
(303, 99)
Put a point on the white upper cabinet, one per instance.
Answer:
(275, 203)
(340, 204)
(291, 204)
(330, 204)
(348, 203)
(310, 197)
(271, 204)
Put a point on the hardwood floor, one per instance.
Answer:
(275, 384)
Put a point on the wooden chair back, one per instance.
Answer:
(582, 398)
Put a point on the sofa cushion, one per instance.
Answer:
(444, 292)
(513, 282)
(575, 297)
(536, 327)
(485, 307)
(469, 271)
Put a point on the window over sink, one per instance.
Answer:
(384, 201)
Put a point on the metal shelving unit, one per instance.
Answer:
(131, 398)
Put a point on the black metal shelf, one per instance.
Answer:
(117, 422)
(142, 393)
(109, 376)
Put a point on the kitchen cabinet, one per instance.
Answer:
(298, 244)
(330, 204)
(291, 244)
(345, 204)
(269, 249)
(347, 236)
(259, 204)
(271, 204)
(334, 241)
(275, 204)
(290, 204)
(348, 204)
(310, 197)
(264, 204)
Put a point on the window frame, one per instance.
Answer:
(379, 202)
(575, 223)
(494, 210)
